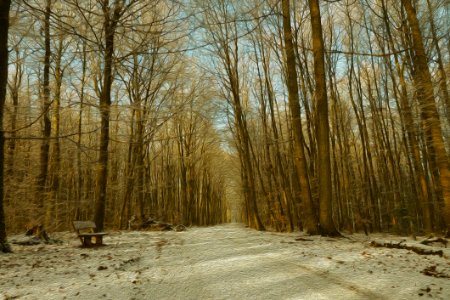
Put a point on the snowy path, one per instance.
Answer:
(221, 262)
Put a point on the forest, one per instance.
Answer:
(322, 116)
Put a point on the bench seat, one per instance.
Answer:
(86, 233)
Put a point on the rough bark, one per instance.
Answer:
(322, 129)
(4, 26)
(55, 162)
(310, 218)
(428, 110)
(46, 130)
(110, 24)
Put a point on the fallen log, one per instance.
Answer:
(433, 240)
(38, 231)
(413, 248)
(155, 225)
(35, 235)
(432, 271)
(303, 239)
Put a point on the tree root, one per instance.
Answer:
(5, 247)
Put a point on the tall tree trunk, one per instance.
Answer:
(4, 26)
(429, 113)
(79, 135)
(323, 130)
(310, 218)
(46, 131)
(55, 163)
(110, 24)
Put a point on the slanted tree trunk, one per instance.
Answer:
(310, 218)
(4, 26)
(443, 80)
(428, 110)
(406, 115)
(227, 41)
(276, 213)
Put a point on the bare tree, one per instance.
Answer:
(4, 26)
(310, 217)
(429, 113)
(111, 16)
(323, 132)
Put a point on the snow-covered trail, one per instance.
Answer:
(220, 262)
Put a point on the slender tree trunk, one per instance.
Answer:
(279, 198)
(429, 113)
(310, 218)
(14, 89)
(4, 26)
(125, 212)
(55, 163)
(230, 59)
(80, 127)
(139, 162)
(46, 132)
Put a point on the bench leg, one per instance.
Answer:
(87, 241)
(99, 240)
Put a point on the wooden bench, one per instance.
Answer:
(86, 231)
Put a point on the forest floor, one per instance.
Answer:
(223, 262)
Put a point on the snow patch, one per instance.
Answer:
(222, 262)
